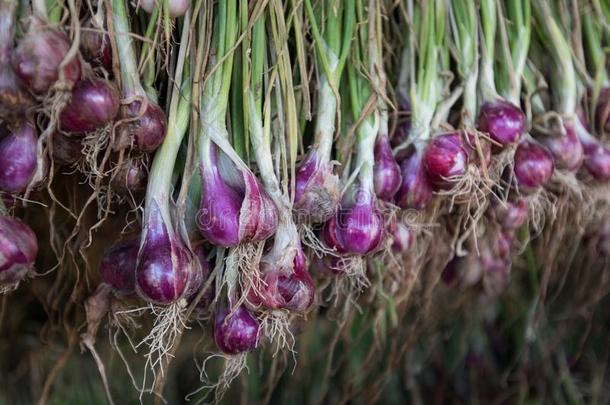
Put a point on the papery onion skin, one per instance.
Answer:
(18, 250)
(237, 332)
(93, 104)
(37, 58)
(18, 158)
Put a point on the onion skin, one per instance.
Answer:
(145, 132)
(598, 164)
(357, 227)
(37, 58)
(317, 190)
(416, 189)
(233, 211)
(118, 266)
(176, 8)
(18, 250)
(18, 159)
(533, 165)
(165, 265)
(95, 46)
(93, 104)
(445, 158)
(511, 214)
(386, 171)
(502, 120)
(235, 333)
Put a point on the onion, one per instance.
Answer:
(416, 189)
(176, 8)
(511, 214)
(533, 165)
(445, 159)
(18, 250)
(118, 266)
(207, 298)
(95, 45)
(146, 130)
(234, 208)
(357, 227)
(235, 331)
(317, 191)
(565, 147)
(18, 160)
(386, 171)
(131, 177)
(38, 55)
(502, 120)
(165, 267)
(597, 155)
(602, 110)
(402, 236)
(93, 104)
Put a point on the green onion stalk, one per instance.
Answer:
(284, 282)
(317, 189)
(235, 211)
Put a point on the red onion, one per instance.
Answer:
(18, 158)
(566, 149)
(118, 266)
(176, 8)
(357, 227)
(445, 159)
(416, 189)
(317, 190)
(597, 155)
(145, 131)
(403, 129)
(131, 176)
(95, 45)
(511, 214)
(402, 236)
(602, 110)
(165, 267)
(14, 99)
(18, 250)
(235, 332)
(502, 120)
(533, 165)
(38, 55)
(66, 149)
(386, 171)
(93, 104)
(234, 207)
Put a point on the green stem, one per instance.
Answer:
(593, 41)
(130, 80)
(487, 84)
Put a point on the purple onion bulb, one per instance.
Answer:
(18, 158)
(37, 58)
(566, 149)
(93, 104)
(18, 250)
(95, 45)
(145, 131)
(533, 165)
(131, 176)
(66, 149)
(176, 8)
(445, 159)
(416, 189)
(386, 171)
(502, 120)
(118, 266)
(237, 332)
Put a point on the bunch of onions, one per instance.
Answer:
(284, 281)
(416, 190)
(357, 229)
(145, 122)
(317, 188)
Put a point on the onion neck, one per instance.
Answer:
(130, 78)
